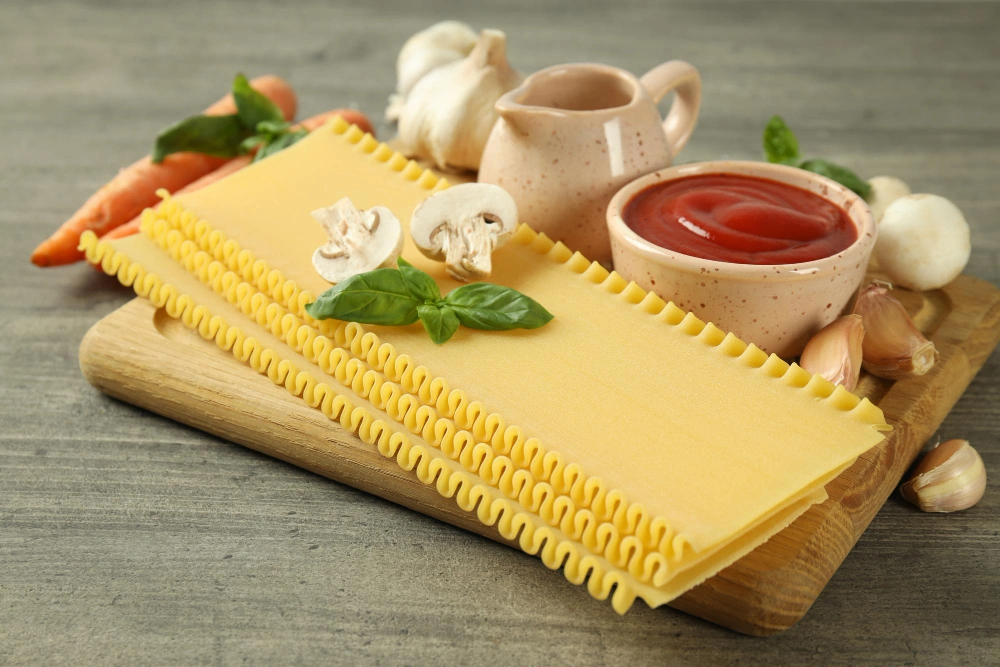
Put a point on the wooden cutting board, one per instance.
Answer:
(140, 355)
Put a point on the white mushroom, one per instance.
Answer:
(885, 190)
(359, 241)
(923, 242)
(463, 225)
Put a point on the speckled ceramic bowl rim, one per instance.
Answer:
(855, 207)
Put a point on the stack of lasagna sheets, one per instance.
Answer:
(634, 446)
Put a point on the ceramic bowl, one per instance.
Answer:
(776, 306)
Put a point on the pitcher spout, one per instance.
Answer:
(512, 111)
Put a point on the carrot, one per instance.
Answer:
(352, 116)
(234, 165)
(134, 188)
(273, 87)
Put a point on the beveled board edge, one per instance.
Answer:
(773, 587)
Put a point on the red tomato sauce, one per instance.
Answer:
(739, 219)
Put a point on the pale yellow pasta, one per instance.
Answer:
(745, 445)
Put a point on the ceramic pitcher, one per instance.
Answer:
(571, 135)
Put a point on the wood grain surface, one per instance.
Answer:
(142, 356)
(127, 538)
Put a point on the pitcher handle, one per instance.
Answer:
(683, 79)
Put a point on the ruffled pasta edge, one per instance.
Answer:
(488, 427)
(556, 549)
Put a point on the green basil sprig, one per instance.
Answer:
(781, 147)
(258, 123)
(397, 298)
(271, 137)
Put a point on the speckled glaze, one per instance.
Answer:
(571, 135)
(776, 307)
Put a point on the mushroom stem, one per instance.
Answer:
(453, 250)
(467, 250)
(479, 255)
(347, 228)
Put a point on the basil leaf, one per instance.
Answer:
(375, 297)
(835, 172)
(392, 298)
(440, 322)
(780, 144)
(253, 142)
(496, 308)
(253, 107)
(219, 136)
(280, 143)
(272, 127)
(420, 285)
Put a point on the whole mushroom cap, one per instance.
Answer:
(884, 191)
(923, 242)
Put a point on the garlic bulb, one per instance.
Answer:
(449, 113)
(951, 477)
(438, 45)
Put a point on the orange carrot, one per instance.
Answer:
(352, 116)
(132, 226)
(273, 87)
(234, 165)
(134, 188)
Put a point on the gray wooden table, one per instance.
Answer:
(125, 538)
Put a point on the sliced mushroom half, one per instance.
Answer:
(358, 241)
(463, 225)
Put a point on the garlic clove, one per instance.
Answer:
(884, 191)
(449, 113)
(951, 477)
(834, 352)
(893, 347)
(923, 242)
(357, 241)
(463, 225)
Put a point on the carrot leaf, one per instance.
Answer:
(219, 136)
